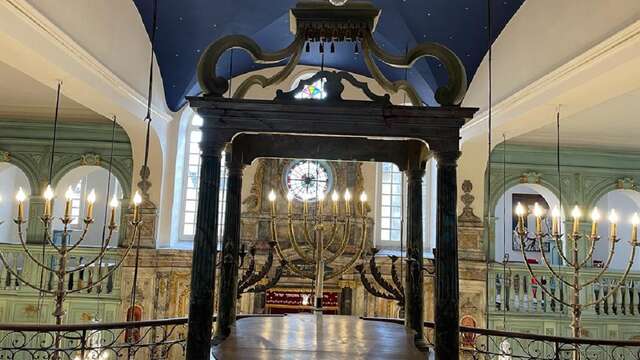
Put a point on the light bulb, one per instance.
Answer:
(290, 196)
(91, 199)
(272, 196)
(635, 219)
(595, 215)
(321, 196)
(48, 193)
(137, 199)
(347, 195)
(363, 197)
(576, 213)
(114, 202)
(613, 216)
(68, 194)
(520, 211)
(555, 213)
(335, 196)
(21, 196)
(338, 2)
(537, 210)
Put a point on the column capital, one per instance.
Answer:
(447, 158)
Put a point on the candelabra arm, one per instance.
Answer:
(545, 260)
(305, 231)
(87, 222)
(394, 275)
(254, 278)
(115, 267)
(375, 272)
(358, 255)
(590, 252)
(564, 258)
(620, 282)
(606, 265)
(370, 288)
(334, 230)
(247, 274)
(533, 275)
(346, 235)
(103, 249)
(292, 268)
(28, 252)
(272, 282)
(292, 239)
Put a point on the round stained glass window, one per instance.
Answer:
(307, 179)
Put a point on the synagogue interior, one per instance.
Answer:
(319, 179)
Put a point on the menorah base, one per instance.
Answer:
(317, 309)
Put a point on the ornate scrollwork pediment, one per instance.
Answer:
(90, 159)
(626, 183)
(530, 177)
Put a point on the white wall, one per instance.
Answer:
(625, 202)
(96, 178)
(12, 178)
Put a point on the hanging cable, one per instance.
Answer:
(489, 143)
(145, 167)
(230, 73)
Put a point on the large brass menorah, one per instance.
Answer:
(321, 231)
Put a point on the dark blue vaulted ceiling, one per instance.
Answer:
(186, 27)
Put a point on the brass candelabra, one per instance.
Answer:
(571, 257)
(320, 231)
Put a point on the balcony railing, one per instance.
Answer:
(513, 290)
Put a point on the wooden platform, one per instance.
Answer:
(305, 336)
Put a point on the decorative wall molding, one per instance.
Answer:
(39, 22)
(530, 177)
(626, 38)
(626, 183)
(5, 156)
(92, 159)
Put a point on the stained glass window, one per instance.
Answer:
(313, 91)
(192, 182)
(307, 179)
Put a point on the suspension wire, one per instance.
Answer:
(53, 151)
(505, 256)
(402, 233)
(146, 153)
(489, 143)
(106, 211)
(230, 73)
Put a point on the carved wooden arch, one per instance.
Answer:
(354, 22)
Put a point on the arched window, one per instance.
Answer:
(391, 206)
(625, 203)
(507, 244)
(12, 179)
(82, 180)
(191, 183)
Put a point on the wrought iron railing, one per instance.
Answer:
(485, 344)
(155, 339)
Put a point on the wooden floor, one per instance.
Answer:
(305, 336)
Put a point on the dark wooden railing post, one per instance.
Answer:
(227, 295)
(205, 245)
(447, 317)
(414, 294)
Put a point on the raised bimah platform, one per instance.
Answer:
(306, 336)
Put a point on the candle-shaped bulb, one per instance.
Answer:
(613, 219)
(272, 196)
(363, 197)
(555, 221)
(576, 213)
(347, 195)
(613, 216)
(537, 210)
(21, 196)
(335, 197)
(555, 213)
(68, 195)
(321, 196)
(137, 199)
(635, 219)
(595, 215)
(48, 193)
(114, 203)
(520, 211)
(290, 196)
(91, 199)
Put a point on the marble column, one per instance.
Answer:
(447, 317)
(227, 295)
(414, 287)
(204, 252)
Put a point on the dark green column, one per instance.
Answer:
(227, 296)
(414, 287)
(205, 244)
(447, 317)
